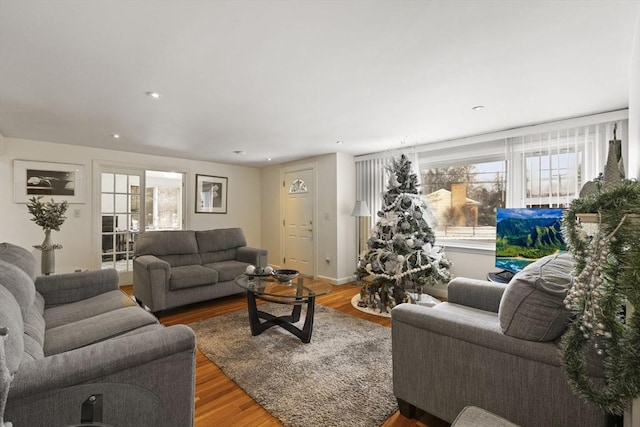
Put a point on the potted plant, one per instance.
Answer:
(49, 216)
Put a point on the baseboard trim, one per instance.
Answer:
(341, 281)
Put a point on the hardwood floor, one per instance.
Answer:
(220, 402)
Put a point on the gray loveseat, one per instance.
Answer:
(72, 336)
(493, 346)
(175, 268)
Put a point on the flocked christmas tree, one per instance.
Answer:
(401, 254)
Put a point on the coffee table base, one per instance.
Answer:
(285, 322)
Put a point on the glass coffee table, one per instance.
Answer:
(293, 293)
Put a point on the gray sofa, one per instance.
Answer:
(175, 268)
(72, 336)
(493, 346)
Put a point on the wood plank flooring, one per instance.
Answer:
(220, 402)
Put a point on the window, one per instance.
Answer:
(464, 197)
(464, 181)
(163, 200)
(298, 186)
(551, 175)
(552, 167)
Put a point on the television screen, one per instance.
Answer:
(527, 234)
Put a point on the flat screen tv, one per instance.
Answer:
(524, 235)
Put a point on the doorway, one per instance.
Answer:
(298, 221)
(135, 200)
(121, 209)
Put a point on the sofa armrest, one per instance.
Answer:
(151, 281)
(152, 262)
(475, 293)
(254, 256)
(451, 356)
(150, 371)
(60, 289)
(472, 330)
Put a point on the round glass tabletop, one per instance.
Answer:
(268, 288)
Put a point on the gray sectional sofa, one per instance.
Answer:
(494, 346)
(175, 268)
(72, 336)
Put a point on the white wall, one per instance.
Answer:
(471, 263)
(327, 225)
(346, 224)
(270, 226)
(77, 234)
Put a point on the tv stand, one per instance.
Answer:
(503, 276)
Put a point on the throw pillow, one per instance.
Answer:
(532, 307)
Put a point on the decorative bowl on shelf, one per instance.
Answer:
(285, 276)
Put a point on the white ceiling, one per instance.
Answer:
(287, 79)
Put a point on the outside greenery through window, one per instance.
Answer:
(464, 199)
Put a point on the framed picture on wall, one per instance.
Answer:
(211, 194)
(57, 181)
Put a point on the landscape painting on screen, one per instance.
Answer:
(525, 235)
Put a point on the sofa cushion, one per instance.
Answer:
(532, 307)
(75, 311)
(190, 276)
(19, 284)
(181, 260)
(95, 329)
(19, 257)
(219, 256)
(171, 242)
(219, 240)
(11, 318)
(228, 270)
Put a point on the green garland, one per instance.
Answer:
(607, 278)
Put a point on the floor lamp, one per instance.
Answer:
(360, 210)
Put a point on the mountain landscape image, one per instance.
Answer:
(527, 234)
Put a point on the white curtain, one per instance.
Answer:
(586, 137)
(371, 181)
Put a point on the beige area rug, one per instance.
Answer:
(343, 377)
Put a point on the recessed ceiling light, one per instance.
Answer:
(154, 95)
(478, 108)
(115, 135)
(239, 152)
(268, 159)
(338, 142)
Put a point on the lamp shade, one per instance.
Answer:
(361, 209)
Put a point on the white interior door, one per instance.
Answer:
(298, 221)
